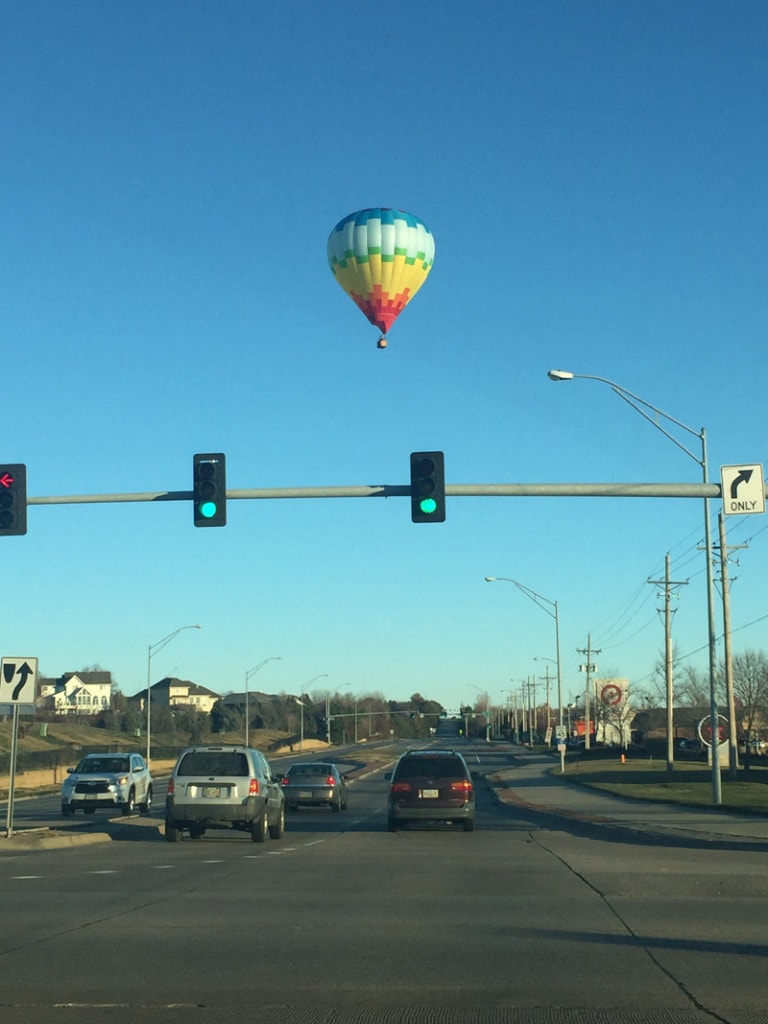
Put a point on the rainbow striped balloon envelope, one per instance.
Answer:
(381, 258)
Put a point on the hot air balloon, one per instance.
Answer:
(381, 258)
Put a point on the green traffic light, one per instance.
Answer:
(208, 509)
(428, 506)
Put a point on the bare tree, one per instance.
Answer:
(750, 685)
(692, 689)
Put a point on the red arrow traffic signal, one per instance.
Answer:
(13, 500)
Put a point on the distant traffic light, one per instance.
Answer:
(13, 500)
(427, 487)
(210, 489)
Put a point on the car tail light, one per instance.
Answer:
(464, 786)
(330, 781)
(253, 787)
(171, 787)
(401, 787)
(286, 781)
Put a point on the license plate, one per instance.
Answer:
(429, 794)
(90, 796)
(305, 794)
(211, 792)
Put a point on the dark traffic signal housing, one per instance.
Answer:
(427, 487)
(210, 489)
(13, 499)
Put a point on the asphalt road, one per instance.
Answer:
(341, 921)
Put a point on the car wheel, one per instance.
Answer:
(276, 830)
(171, 833)
(89, 810)
(130, 804)
(196, 833)
(66, 811)
(392, 825)
(469, 824)
(259, 830)
(146, 807)
(335, 806)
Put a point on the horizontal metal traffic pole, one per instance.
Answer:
(598, 490)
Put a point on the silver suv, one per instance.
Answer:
(224, 787)
(107, 781)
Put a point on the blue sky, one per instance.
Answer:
(594, 177)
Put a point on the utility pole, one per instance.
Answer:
(549, 709)
(667, 583)
(733, 738)
(589, 668)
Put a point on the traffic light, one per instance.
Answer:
(210, 489)
(427, 487)
(13, 500)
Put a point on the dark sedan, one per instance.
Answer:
(313, 784)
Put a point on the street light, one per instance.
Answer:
(248, 674)
(303, 691)
(538, 599)
(640, 405)
(152, 650)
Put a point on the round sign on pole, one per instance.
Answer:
(704, 730)
(611, 693)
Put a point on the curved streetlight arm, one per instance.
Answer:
(536, 598)
(255, 669)
(314, 679)
(248, 674)
(156, 647)
(637, 404)
(152, 650)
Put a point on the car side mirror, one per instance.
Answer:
(387, 775)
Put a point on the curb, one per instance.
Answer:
(48, 839)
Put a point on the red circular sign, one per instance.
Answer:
(611, 694)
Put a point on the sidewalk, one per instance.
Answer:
(535, 783)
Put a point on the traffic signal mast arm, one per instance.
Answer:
(538, 490)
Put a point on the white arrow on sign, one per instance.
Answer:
(743, 489)
(18, 680)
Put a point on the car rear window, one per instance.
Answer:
(213, 762)
(309, 769)
(434, 767)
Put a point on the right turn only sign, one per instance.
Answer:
(743, 489)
